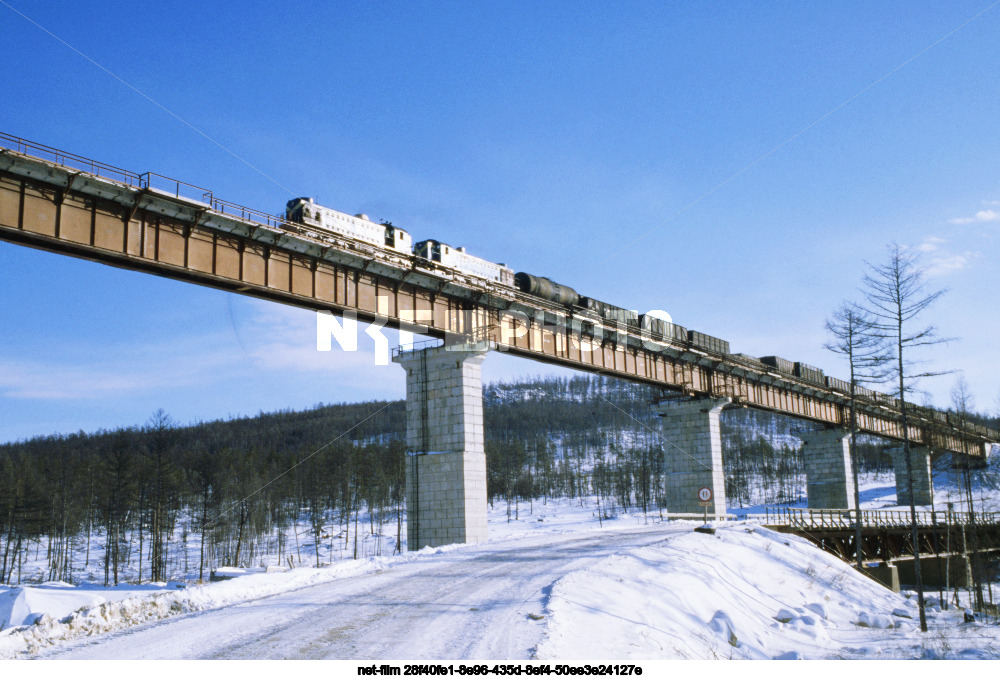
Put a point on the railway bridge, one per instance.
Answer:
(68, 204)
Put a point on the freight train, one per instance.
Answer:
(360, 227)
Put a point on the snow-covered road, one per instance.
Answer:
(472, 602)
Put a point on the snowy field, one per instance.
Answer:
(745, 592)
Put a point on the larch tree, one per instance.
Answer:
(856, 337)
(896, 295)
(963, 404)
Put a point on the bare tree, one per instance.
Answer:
(856, 337)
(896, 294)
(963, 403)
(162, 493)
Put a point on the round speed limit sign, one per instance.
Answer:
(705, 494)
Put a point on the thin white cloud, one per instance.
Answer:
(944, 263)
(265, 340)
(930, 244)
(32, 379)
(936, 258)
(982, 216)
(279, 337)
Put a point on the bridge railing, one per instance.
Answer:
(71, 160)
(814, 519)
(416, 346)
(454, 343)
(175, 187)
(146, 180)
(249, 214)
(179, 189)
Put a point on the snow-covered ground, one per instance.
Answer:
(554, 585)
(744, 593)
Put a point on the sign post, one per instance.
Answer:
(705, 500)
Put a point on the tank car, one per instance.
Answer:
(539, 286)
(546, 288)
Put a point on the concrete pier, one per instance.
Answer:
(829, 478)
(952, 570)
(446, 464)
(884, 573)
(923, 489)
(692, 454)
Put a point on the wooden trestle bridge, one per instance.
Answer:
(887, 536)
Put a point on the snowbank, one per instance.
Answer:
(45, 622)
(24, 605)
(742, 593)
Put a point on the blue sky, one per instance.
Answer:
(768, 149)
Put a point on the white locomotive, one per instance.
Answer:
(359, 227)
(458, 258)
